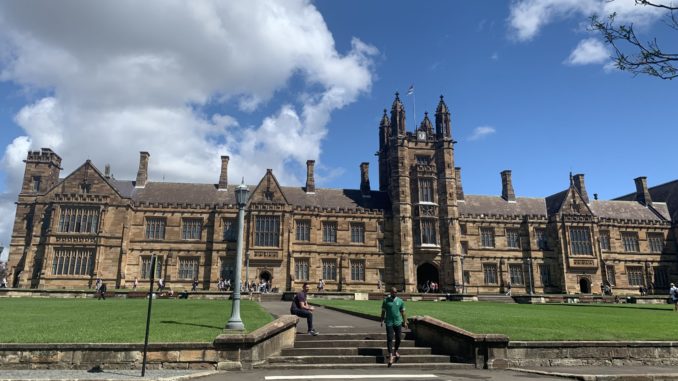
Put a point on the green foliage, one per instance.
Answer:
(542, 321)
(32, 320)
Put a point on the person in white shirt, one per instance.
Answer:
(673, 292)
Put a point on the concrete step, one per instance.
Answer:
(424, 366)
(496, 298)
(320, 343)
(404, 359)
(364, 351)
(348, 336)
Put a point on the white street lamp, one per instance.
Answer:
(241, 195)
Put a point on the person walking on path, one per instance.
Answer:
(508, 288)
(301, 308)
(321, 285)
(673, 292)
(136, 284)
(195, 285)
(393, 315)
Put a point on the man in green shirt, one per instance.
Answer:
(393, 314)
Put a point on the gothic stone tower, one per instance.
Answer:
(417, 170)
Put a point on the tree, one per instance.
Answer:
(644, 57)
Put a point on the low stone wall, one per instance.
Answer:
(36, 293)
(485, 351)
(228, 351)
(596, 353)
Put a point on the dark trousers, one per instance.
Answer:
(392, 330)
(304, 314)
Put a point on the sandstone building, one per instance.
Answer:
(418, 226)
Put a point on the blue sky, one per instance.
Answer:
(273, 84)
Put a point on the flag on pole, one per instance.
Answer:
(410, 91)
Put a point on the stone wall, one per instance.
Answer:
(597, 353)
(228, 351)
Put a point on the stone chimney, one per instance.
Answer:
(460, 189)
(578, 181)
(642, 194)
(365, 179)
(107, 171)
(310, 178)
(142, 174)
(223, 176)
(507, 192)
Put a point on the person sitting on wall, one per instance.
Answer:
(183, 294)
(301, 308)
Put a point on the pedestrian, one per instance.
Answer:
(301, 308)
(102, 291)
(269, 286)
(97, 284)
(161, 284)
(378, 284)
(227, 285)
(508, 289)
(673, 292)
(195, 285)
(253, 286)
(321, 285)
(136, 284)
(4, 282)
(393, 315)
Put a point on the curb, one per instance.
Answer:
(601, 377)
(88, 378)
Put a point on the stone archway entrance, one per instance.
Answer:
(267, 279)
(427, 273)
(584, 286)
(265, 275)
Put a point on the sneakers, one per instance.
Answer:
(313, 332)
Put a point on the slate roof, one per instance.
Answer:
(495, 205)
(555, 201)
(200, 194)
(628, 210)
(665, 193)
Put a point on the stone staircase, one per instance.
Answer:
(356, 350)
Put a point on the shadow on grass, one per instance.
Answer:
(191, 324)
(613, 306)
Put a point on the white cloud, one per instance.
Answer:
(527, 17)
(124, 77)
(494, 56)
(588, 51)
(482, 132)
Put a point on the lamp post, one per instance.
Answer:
(529, 269)
(241, 195)
(247, 271)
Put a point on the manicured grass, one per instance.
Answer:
(542, 321)
(33, 320)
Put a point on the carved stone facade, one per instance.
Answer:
(419, 227)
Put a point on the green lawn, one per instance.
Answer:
(542, 321)
(33, 320)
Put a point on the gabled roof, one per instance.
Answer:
(495, 205)
(337, 198)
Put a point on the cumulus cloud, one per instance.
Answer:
(527, 17)
(482, 132)
(588, 51)
(122, 77)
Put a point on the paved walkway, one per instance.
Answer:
(327, 321)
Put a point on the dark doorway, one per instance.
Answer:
(427, 273)
(265, 275)
(584, 286)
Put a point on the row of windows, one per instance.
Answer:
(580, 240)
(636, 277)
(329, 269)
(73, 262)
(78, 220)
(188, 267)
(516, 274)
(266, 231)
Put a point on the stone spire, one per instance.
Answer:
(443, 128)
(397, 117)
